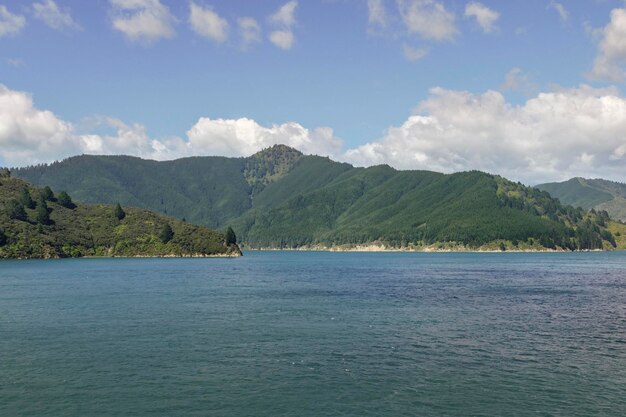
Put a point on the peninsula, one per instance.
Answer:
(37, 223)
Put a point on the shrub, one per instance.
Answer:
(42, 214)
(65, 200)
(166, 233)
(47, 194)
(15, 210)
(119, 212)
(26, 200)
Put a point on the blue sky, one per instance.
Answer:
(364, 69)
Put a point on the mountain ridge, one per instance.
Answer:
(596, 193)
(279, 197)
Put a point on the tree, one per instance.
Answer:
(42, 214)
(15, 210)
(26, 199)
(65, 200)
(3, 238)
(119, 212)
(166, 233)
(47, 194)
(231, 238)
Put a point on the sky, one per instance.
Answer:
(531, 90)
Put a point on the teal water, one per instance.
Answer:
(315, 334)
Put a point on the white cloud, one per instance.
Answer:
(414, 54)
(485, 17)
(377, 15)
(48, 12)
(205, 22)
(243, 137)
(560, 9)
(285, 15)
(284, 19)
(553, 136)
(609, 63)
(29, 135)
(428, 18)
(282, 38)
(10, 24)
(250, 30)
(143, 20)
(130, 140)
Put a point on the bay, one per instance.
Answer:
(316, 334)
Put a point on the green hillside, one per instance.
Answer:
(281, 198)
(598, 194)
(35, 223)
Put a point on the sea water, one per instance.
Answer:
(315, 334)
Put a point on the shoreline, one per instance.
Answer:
(385, 249)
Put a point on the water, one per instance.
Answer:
(315, 334)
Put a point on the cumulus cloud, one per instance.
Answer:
(26, 132)
(414, 54)
(143, 20)
(284, 19)
(285, 15)
(48, 12)
(428, 19)
(560, 9)
(29, 135)
(485, 17)
(205, 22)
(552, 136)
(242, 137)
(283, 39)
(10, 24)
(249, 30)
(609, 63)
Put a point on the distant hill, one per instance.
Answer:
(282, 198)
(598, 194)
(35, 223)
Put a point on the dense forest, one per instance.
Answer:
(283, 199)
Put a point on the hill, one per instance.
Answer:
(281, 198)
(34, 223)
(590, 194)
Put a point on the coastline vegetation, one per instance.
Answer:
(34, 223)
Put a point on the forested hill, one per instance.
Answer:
(598, 194)
(38, 223)
(281, 198)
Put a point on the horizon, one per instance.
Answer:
(381, 84)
